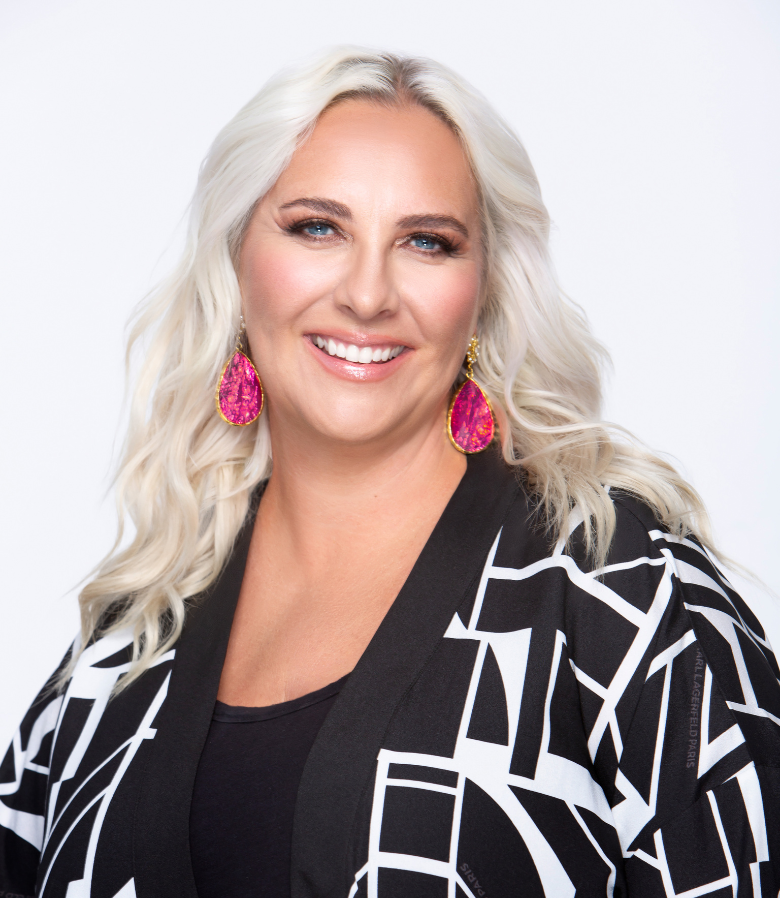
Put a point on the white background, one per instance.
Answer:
(655, 132)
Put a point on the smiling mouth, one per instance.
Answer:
(362, 355)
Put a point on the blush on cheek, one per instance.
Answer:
(447, 297)
(280, 281)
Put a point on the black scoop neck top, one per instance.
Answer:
(243, 803)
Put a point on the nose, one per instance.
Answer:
(367, 290)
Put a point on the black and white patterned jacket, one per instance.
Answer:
(519, 725)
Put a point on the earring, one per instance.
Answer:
(239, 394)
(470, 423)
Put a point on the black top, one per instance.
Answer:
(241, 819)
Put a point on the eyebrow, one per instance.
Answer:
(434, 221)
(317, 204)
(339, 210)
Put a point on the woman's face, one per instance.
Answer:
(361, 276)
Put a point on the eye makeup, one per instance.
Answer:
(425, 243)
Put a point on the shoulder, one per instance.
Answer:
(526, 538)
(730, 635)
(659, 604)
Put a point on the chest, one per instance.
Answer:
(303, 620)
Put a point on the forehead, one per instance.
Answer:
(366, 152)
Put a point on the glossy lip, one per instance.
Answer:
(369, 373)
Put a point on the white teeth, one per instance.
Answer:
(352, 353)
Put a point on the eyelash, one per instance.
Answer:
(297, 228)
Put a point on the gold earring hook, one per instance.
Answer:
(472, 353)
(240, 336)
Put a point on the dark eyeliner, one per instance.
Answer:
(446, 246)
(298, 227)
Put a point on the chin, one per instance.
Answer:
(356, 433)
(357, 426)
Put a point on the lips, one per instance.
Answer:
(350, 352)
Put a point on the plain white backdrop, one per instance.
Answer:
(655, 132)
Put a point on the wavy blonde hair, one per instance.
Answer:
(186, 477)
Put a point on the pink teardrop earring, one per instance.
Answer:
(239, 394)
(470, 423)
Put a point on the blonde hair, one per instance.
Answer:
(186, 477)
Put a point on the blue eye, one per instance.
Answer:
(422, 241)
(318, 229)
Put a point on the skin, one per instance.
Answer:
(371, 236)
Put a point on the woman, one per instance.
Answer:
(458, 639)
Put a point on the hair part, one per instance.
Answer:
(185, 479)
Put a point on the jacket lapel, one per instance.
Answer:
(341, 762)
(161, 826)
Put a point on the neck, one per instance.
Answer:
(331, 496)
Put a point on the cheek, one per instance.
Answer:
(446, 299)
(277, 282)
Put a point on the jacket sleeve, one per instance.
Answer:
(697, 800)
(24, 775)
